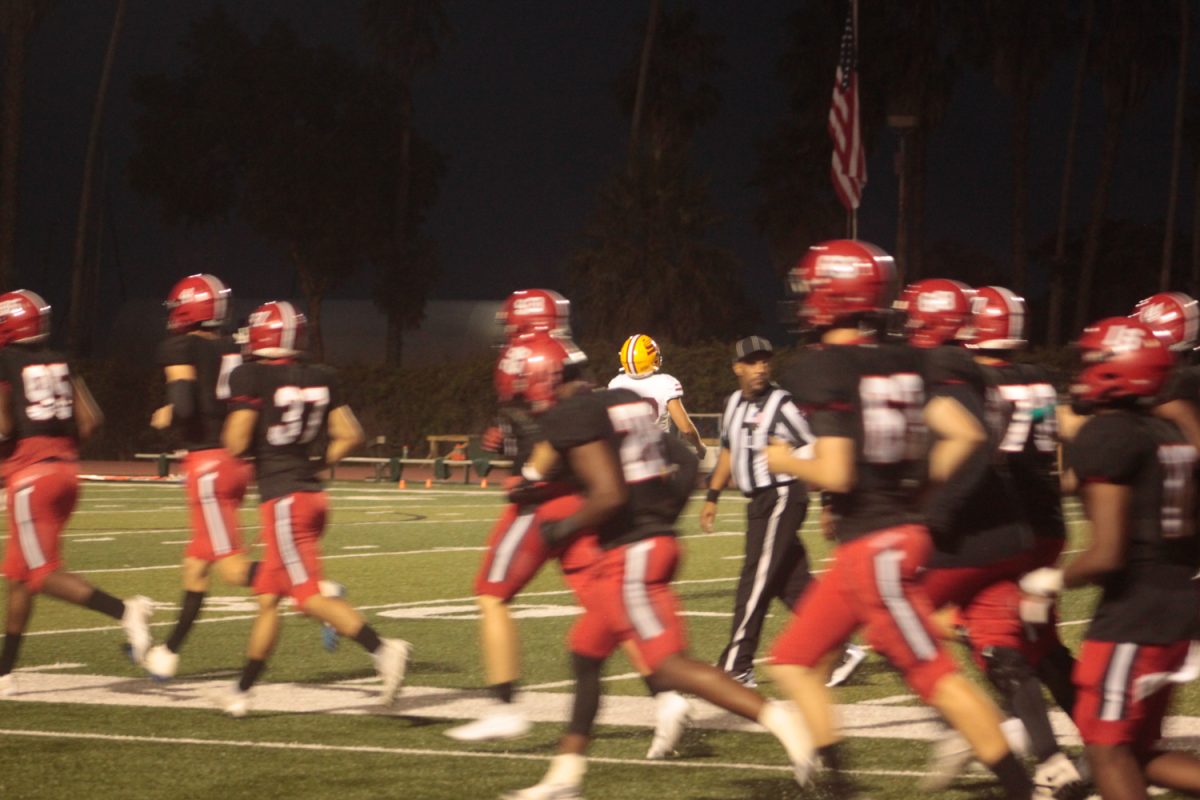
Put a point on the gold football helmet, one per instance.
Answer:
(640, 356)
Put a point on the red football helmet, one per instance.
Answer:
(1173, 316)
(529, 310)
(197, 301)
(276, 330)
(24, 317)
(532, 366)
(997, 319)
(1120, 358)
(840, 279)
(938, 310)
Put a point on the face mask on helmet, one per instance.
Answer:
(640, 356)
(937, 311)
(533, 310)
(276, 330)
(24, 318)
(197, 301)
(533, 366)
(997, 320)
(841, 282)
(1120, 362)
(1173, 316)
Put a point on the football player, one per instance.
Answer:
(641, 362)
(46, 411)
(197, 358)
(871, 412)
(635, 481)
(280, 405)
(1135, 474)
(516, 550)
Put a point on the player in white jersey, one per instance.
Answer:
(640, 363)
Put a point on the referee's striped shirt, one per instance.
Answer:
(748, 425)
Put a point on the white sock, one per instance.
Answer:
(1017, 737)
(790, 729)
(566, 768)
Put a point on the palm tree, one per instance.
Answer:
(18, 19)
(1130, 50)
(82, 279)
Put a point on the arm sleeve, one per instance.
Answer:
(174, 350)
(182, 396)
(1106, 451)
(243, 391)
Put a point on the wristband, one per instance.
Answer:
(713, 496)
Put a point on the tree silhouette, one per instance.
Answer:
(301, 142)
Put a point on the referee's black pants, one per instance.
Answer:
(776, 565)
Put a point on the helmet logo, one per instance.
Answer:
(836, 266)
(935, 301)
(1124, 338)
(529, 305)
(9, 308)
(1153, 312)
(513, 362)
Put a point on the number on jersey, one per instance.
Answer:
(1179, 490)
(1032, 410)
(643, 455)
(48, 392)
(893, 430)
(302, 412)
(229, 362)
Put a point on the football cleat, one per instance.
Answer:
(672, 713)
(851, 659)
(161, 663)
(197, 301)
(640, 356)
(136, 622)
(1057, 779)
(8, 685)
(24, 318)
(502, 722)
(546, 791)
(391, 663)
(329, 634)
(950, 759)
(276, 330)
(745, 678)
(233, 701)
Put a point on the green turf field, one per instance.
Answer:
(90, 725)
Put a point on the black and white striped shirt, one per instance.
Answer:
(748, 424)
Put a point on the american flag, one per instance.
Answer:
(849, 169)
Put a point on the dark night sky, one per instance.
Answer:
(521, 104)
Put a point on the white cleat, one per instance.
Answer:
(8, 685)
(547, 791)
(161, 663)
(391, 662)
(951, 757)
(502, 722)
(233, 701)
(673, 712)
(1057, 779)
(854, 655)
(136, 622)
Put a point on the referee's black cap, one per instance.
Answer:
(751, 345)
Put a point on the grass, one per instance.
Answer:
(408, 559)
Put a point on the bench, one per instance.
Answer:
(394, 465)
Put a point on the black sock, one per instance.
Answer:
(653, 685)
(105, 603)
(587, 694)
(8, 656)
(192, 601)
(250, 673)
(503, 691)
(832, 781)
(252, 572)
(1012, 777)
(1055, 670)
(368, 638)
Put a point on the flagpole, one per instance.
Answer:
(854, 210)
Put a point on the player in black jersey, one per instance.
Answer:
(871, 412)
(280, 405)
(1136, 478)
(635, 481)
(46, 411)
(197, 359)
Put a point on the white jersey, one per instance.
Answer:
(658, 388)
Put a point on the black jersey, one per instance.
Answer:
(628, 424)
(1151, 598)
(43, 399)
(875, 395)
(976, 517)
(1029, 444)
(293, 401)
(1182, 384)
(214, 360)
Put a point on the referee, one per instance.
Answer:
(775, 564)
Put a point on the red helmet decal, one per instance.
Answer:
(840, 279)
(937, 310)
(276, 330)
(197, 301)
(529, 310)
(997, 319)
(1173, 316)
(1120, 358)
